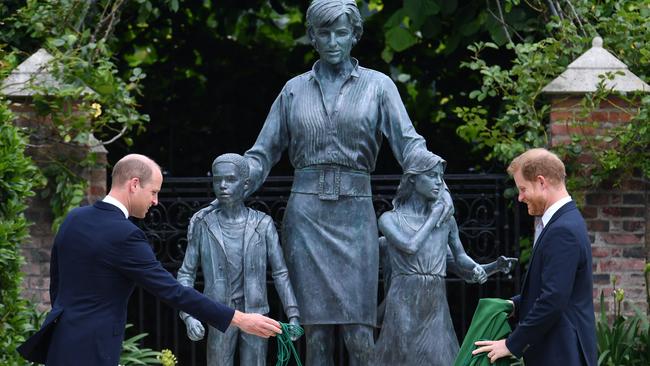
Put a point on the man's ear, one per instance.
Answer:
(133, 184)
(542, 181)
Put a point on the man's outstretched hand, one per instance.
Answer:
(256, 324)
(495, 349)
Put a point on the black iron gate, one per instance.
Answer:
(488, 223)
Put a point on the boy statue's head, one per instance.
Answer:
(230, 178)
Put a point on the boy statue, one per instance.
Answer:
(233, 245)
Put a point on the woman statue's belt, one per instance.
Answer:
(330, 182)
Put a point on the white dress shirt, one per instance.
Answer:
(553, 209)
(540, 223)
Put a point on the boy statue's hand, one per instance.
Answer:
(295, 321)
(195, 330)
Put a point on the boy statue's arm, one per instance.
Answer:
(280, 273)
(187, 273)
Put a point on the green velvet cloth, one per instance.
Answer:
(490, 322)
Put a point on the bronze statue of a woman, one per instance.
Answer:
(331, 120)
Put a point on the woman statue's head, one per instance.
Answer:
(323, 14)
(423, 174)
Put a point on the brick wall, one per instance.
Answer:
(46, 145)
(617, 217)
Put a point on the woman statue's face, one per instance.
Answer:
(334, 41)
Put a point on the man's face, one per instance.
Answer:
(429, 184)
(532, 193)
(145, 195)
(334, 42)
(227, 183)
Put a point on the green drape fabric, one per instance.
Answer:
(490, 322)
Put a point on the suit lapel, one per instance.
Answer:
(564, 209)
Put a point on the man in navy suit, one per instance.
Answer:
(97, 258)
(555, 310)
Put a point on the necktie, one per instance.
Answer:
(539, 226)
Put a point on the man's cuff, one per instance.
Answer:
(514, 348)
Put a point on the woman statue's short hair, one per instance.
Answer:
(324, 12)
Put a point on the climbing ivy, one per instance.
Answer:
(520, 121)
(95, 103)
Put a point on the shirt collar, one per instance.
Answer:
(548, 214)
(113, 201)
(354, 73)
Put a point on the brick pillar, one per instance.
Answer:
(617, 217)
(45, 145)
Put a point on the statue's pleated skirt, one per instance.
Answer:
(331, 249)
(417, 327)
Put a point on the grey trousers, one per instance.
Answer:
(222, 346)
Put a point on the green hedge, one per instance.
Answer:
(18, 179)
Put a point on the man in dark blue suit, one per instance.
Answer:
(98, 257)
(555, 310)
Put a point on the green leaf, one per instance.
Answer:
(470, 28)
(399, 39)
(395, 19)
(419, 10)
(431, 27)
(174, 5)
(58, 42)
(387, 55)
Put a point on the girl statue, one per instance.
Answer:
(417, 327)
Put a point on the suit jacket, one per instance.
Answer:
(261, 246)
(97, 258)
(555, 310)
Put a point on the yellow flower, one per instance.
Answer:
(97, 109)
(167, 358)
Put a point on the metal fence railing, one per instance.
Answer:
(488, 223)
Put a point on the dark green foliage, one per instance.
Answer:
(18, 178)
(134, 354)
(626, 339)
(520, 120)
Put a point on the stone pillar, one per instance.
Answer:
(45, 144)
(617, 217)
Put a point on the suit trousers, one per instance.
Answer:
(222, 346)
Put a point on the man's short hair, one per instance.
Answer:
(324, 12)
(535, 162)
(238, 160)
(132, 166)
